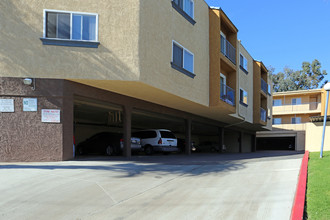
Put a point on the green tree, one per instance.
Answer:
(309, 77)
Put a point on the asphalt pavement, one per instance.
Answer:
(257, 185)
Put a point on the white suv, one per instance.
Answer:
(158, 140)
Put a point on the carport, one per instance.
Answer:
(276, 143)
(94, 116)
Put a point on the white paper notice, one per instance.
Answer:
(50, 115)
(30, 105)
(6, 105)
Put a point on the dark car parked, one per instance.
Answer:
(105, 143)
(209, 146)
(182, 145)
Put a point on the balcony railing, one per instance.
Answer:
(264, 86)
(228, 50)
(308, 107)
(263, 115)
(291, 126)
(227, 94)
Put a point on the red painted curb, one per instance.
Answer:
(297, 212)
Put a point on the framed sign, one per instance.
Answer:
(6, 105)
(30, 105)
(51, 115)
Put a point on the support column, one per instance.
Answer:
(127, 131)
(253, 143)
(221, 139)
(240, 139)
(188, 137)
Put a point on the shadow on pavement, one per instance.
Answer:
(196, 164)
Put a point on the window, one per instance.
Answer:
(277, 102)
(223, 42)
(296, 120)
(222, 85)
(277, 121)
(296, 101)
(243, 97)
(185, 8)
(182, 59)
(243, 63)
(70, 26)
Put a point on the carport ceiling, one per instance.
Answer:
(148, 120)
(99, 113)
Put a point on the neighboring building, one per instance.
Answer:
(119, 66)
(295, 114)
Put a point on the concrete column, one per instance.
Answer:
(253, 143)
(127, 129)
(240, 140)
(67, 132)
(221, 138)
(188, 137)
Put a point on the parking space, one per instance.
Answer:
(204, 186)
(99, 130)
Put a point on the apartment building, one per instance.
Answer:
(70, 70)
(296, 116)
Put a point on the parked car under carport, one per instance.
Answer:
(106, 143)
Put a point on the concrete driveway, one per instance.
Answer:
(205, 186)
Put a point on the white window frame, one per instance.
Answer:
(193, 10)
(277, 119)
(296, 120)
(247, 99)
(183, 50)
(183, 7)
(296, 101)
(244, 58)
(224, 36)
(71, 13)
(225, 82)
(277, 100)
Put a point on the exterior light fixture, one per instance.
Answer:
(327, 88)
(30, 82)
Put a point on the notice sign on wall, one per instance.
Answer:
(6, 105)
(30, 105)
(50, 115)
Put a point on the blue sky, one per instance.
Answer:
(282, 33)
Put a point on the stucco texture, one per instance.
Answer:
(23, 54)
(245, 81)
(160, 24)
(314, 136)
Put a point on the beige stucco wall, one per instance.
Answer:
(160, 24)
(314, 136)
(305, 98)
(245, 81)
(269, 106)
(286, 119)
(22, 53)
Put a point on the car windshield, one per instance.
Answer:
(167, 134)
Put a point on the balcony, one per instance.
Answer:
(264, 86)
(228, 50)
(310, 107)
(263, 115)
(227, 94)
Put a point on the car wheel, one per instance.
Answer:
(109, 150)
(148, 150)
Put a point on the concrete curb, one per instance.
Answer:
(297, 212)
